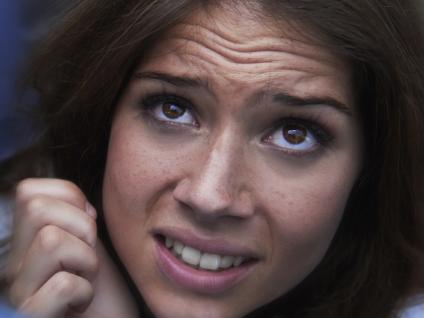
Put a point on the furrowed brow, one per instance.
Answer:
(180, 81)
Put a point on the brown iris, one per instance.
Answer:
(294, 134)
(172, 111)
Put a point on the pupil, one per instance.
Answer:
(295, 134)
(172, 111)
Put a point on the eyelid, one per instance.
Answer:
(314, 123)
(151, 99)
(149, 102)
(320, 132)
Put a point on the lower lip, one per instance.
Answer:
(199, 281)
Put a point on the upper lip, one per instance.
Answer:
(206, 245)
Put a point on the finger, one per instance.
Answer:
(63, 292)
(27, 192)
(53, 250)
(61, 189)
(42, 211)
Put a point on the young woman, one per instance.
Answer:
(235, 157)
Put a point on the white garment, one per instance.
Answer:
(414, 307)
(6, 224)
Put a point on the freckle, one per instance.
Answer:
(223, 194)
(279, 194)
(290, 204)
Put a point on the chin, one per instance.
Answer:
(172, 306)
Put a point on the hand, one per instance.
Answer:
(57, 267)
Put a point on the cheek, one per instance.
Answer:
(127, 181)
(139, 173)
(304, 214)
(317, 218)
(310, 211)
(139, 168)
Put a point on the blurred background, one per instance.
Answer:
(22, 24)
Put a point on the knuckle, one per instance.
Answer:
(24, 187)
(63, 284)
(73, 189)
(35, 206)
(35, 209)
(49, 238)
(89, 230)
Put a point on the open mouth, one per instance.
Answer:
(205, 267)
(200, 260)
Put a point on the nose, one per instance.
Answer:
(214, 187)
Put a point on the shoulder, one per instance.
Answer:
(414, 307)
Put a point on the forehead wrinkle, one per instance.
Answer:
(264, 87)
(263, 71)
(255, 63)
(264, 36)
(191, 64)
(219, 53)
(254, 49)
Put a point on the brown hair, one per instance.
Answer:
(82, 69)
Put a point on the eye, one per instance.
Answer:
(170, 109)
(297, 136)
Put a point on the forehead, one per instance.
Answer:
(239, 47)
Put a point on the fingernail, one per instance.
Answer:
(91, 211)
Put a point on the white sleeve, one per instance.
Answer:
(414, 308)
(6, 224)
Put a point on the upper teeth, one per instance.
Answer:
(206, 261)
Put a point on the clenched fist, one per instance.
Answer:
(57, 267)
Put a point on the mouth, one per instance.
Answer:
(200, 260)
(201, 266)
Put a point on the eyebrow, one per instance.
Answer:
(175, 80)
(291, 100)
(283, 98)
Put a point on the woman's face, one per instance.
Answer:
(232, 154)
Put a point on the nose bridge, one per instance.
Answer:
(213, 187)
(215, 177)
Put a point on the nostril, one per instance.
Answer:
(210, 198)
(203, 196)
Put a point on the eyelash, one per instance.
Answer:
(313, 123)
(149, 102)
